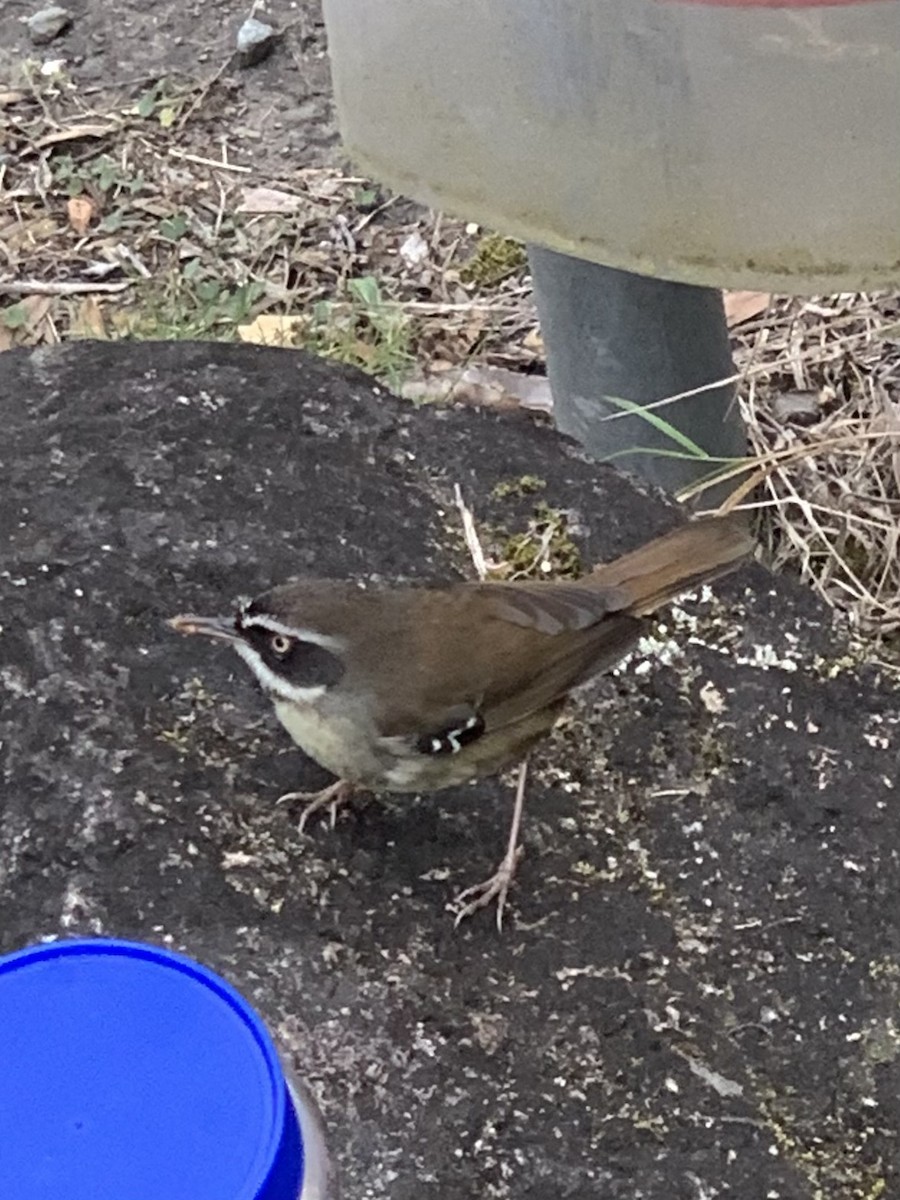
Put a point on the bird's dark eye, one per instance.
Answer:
(280, 644)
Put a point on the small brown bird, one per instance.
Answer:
(412, 688)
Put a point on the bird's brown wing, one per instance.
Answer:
(527, 645)
(555, 637)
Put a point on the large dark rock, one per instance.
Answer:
(698, 992)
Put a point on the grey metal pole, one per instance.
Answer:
(611, 334)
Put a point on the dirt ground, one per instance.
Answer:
(211, 194)
(277, 115)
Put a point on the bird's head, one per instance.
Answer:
(290, 660)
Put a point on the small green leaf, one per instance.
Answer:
(106, 172)
(167, 117)
(15, 316)
(209, 290)
(174, 227)
(147, 102)
(366, 290)
(64, 167)
(113, 221)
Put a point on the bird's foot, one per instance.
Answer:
(481, 894)
(497, 886)
(331, 797)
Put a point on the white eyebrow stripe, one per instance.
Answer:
(261, 621)
(273, 683)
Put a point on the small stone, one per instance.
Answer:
(255, 41)
(800, 408)
(48, 24)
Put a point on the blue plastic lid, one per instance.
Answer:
(131, 1073)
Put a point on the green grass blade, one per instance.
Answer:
(658, 422)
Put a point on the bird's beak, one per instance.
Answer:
(221, 628)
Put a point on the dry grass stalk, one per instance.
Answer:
(828, 469)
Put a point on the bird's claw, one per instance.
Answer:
(331, 797)
(479, 895)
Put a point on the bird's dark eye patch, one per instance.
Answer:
(304, 664)
(452, 739)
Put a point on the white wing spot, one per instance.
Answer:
(451, 741)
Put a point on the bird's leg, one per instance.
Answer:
(480, 894)
(331, 797)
